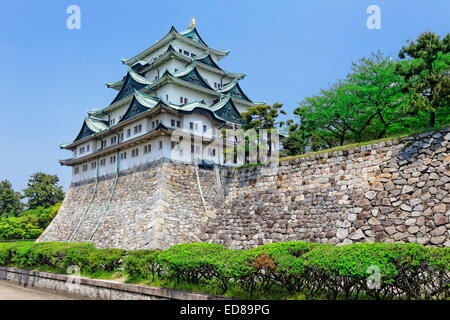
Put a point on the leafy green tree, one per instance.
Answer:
(375, 90)
(296, 142)
(366, 105)
(302, 134)
(427, 74)
(329, 117)
(43, 190)
(10, 204)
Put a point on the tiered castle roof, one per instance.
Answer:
(139, 92)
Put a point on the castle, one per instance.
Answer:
(137, 186)
(175, 85)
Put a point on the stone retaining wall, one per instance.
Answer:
(393, 191)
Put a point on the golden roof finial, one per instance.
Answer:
(192, 23)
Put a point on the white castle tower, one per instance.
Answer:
(174, 85)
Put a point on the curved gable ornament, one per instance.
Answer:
(229, 113)
(84, 132)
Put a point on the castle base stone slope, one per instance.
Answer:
(392, 191)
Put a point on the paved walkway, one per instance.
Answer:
(12, 291)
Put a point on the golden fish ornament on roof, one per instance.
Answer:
(192, 23)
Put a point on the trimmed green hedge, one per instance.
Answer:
(380, 271)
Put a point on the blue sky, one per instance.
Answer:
(289, 49)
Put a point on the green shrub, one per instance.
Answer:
(313, 270)
(290, 269)
(104, 260)
(191, 262)
(142, 263)
(29, 224)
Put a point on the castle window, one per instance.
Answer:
(87, 148)
(128, 132)
(185, 100)
(85, 167)
(148, 149)
(77, 170)
(205, 128)
(181, 100)
(123, 155)
(112, 159)
(81, 150)
(93, 165)
(137, 129)
(103, 162)
(180, 50)
(172, 123)
(103, 143)
(113, 140)
(186, 53)
(134, 152)
(160, 145)
(191, 125)
(178, 124)
(167, 97)
(153, 124)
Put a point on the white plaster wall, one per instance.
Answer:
(118, 113)
(175, 92)
(171, 65)
(91, 145)
(142, 122)
(176, 44)
(142, 158)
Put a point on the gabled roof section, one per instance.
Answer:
(189, 106)
(226, 110)
(131, 82)
(208, 60)
(140, 65)
(234, 89)
(115, 85)
(139, 104)
(190, 36)
(203, 61)
(90, 126)
(193, 34)
(191, 74)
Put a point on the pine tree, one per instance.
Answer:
(43, 190)
(10, 204)
(427, 74)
